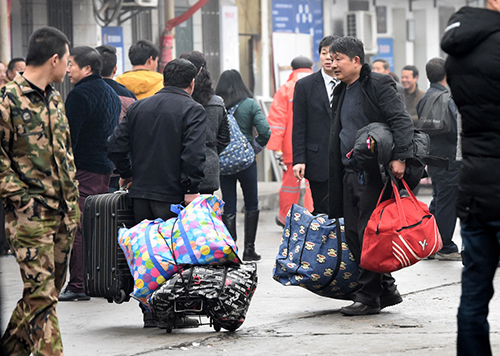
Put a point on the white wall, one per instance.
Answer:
(15, 31)
(427, 37)
(197, 29)
(86, 32)
(421, 46)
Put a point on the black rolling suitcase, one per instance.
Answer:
(105, 269)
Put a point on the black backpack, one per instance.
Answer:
(434, 115)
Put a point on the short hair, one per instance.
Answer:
(435, 70)
(109, 59)
(384, 62)
(326, 42)
(301, 62)
(87, 56)
(203, 89)
(12, 63)
(141, 51)
(350, 46)
(231, 88)
(179, 73)
(412, 68)
(43, 44)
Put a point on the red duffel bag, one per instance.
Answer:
(401, 231)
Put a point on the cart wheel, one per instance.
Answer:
(169, 328)
(217, 327)
(120, 297)
(232, 328)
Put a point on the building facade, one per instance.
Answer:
(257, 37)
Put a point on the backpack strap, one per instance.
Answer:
(233, 109)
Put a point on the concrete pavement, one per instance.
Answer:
(281, 320)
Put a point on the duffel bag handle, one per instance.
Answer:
(397, 197)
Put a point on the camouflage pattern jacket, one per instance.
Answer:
(36, 159)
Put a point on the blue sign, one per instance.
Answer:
(113, 36)
(386, 50)
(300, 16)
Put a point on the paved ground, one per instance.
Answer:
(281, 320)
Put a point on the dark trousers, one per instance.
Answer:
(319, 191)
(444, 203)
(248, 183)
(89, 184)
(152, 209)
(481, 240)
(359, 202)
(41, 239)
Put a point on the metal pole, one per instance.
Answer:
(168, 37)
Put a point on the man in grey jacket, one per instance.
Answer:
(443, 144)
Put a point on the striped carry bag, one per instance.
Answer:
(401, 231)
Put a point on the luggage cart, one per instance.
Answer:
(217, 295)
(187, 306)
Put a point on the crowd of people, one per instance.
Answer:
(87, 145)
(112, 133)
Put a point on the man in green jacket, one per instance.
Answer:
(38, 187)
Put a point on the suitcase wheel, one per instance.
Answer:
(232, 328)
(216, 326)
(169, 328)
(120, 297)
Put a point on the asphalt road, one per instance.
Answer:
(281, 320)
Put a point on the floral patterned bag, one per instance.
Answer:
(239, 154)
(314, 255)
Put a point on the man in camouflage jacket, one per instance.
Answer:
(40, 193)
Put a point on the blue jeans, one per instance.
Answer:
(481, 240)
(248, 183)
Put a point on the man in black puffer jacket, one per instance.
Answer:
(363, 97)
(93, 109)
(472, 39)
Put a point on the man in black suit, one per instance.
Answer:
(311, 126)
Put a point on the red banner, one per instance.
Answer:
(176, 21)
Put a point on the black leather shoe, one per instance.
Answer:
(278, 222)
(69, 296)
(390, 300)
(358, 308)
